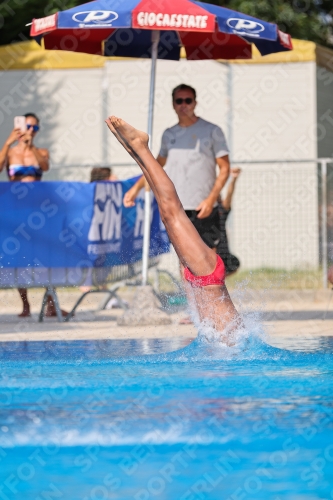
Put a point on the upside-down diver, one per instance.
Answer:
(203, 268)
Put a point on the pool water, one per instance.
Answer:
(92, 420)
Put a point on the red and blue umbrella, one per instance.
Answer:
(124, 28)
(158, 30)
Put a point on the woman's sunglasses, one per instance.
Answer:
(34, 127)
(187, 100)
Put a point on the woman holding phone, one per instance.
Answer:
(25, 162)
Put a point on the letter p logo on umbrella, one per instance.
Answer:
(245, 26)
(95, 17)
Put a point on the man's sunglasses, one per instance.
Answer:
(187, 100)
(34, 127)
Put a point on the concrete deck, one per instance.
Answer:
(283, 313)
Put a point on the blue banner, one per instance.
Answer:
(74, 224)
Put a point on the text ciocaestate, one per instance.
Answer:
(171, 20)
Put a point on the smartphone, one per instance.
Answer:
(21, 123)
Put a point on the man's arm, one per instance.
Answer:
(42, 157)
(206, 206)
(132, 193)
(226, 202)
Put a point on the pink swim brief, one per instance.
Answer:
(217, 277)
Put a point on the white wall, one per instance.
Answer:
(274, 111)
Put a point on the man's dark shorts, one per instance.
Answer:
(208, 228)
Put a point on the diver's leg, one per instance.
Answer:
(191, 250)
(26, 306)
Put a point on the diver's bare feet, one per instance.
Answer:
(132, 139)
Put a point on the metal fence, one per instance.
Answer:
(283, 215)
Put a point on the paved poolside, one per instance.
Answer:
(283, 313)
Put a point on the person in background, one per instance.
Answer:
(102, 174)
(231, 262)
(25, 162)
(190, 152)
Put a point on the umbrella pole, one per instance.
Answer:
(146, 233)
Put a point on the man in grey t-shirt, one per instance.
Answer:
(190, 152)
